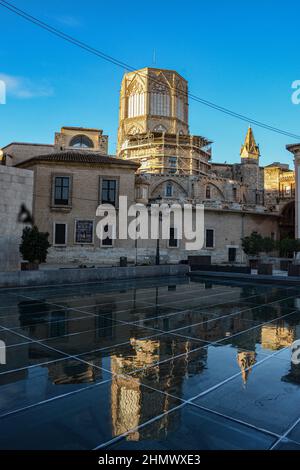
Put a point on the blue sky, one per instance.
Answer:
(242, 55)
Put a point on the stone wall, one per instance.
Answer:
(19, 152)
(16, 188)
(78, 276)
(229, 227)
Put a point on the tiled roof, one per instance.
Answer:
(77, 156)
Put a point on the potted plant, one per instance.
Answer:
(33, 248)
(252, 246)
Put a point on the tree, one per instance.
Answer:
(268, 245)
(34, 246)
(288, 246)
(253, 244)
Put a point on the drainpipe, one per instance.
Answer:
(242, 235)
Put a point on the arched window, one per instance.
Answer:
(207, 192)
(81, 141)
(160, 102)
(136, 101)
(169, 190)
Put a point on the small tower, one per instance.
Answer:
(250, 150)
(250, 169)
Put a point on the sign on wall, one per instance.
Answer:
(84, 231)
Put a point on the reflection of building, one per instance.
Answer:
(133, 403)
(277, 336)
(145, 352)
(66, 373)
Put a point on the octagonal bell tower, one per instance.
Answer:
(153, 124)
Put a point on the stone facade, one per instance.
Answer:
(16, 188)
(79, 137)
(85, 172)
(158, 161)
(67, 138)
(279, 184)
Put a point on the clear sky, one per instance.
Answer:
(243, 55)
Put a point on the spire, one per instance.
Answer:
(250, 149)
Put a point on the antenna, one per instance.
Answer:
(154, 57)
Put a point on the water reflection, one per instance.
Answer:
(158, 349)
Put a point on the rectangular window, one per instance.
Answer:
(231, 255)
(207, 192)
(109, 191)
(62, 190)
(173, 242)
(84, 231)
(60, 234)
(108, 241)
(210, 238)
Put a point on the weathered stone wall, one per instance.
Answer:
(16, 188)
(229, 227)
(63, 139)
(85, 200)
(19, 152)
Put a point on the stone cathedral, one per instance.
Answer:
(158, 160)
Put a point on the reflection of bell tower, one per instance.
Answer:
(153, 124)
(246, 359)
(126, 394)
(132, 402)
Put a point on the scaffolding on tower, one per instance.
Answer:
(163, 153)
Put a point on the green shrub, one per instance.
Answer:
(253, 244)
(34, 245)
(288, 246)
